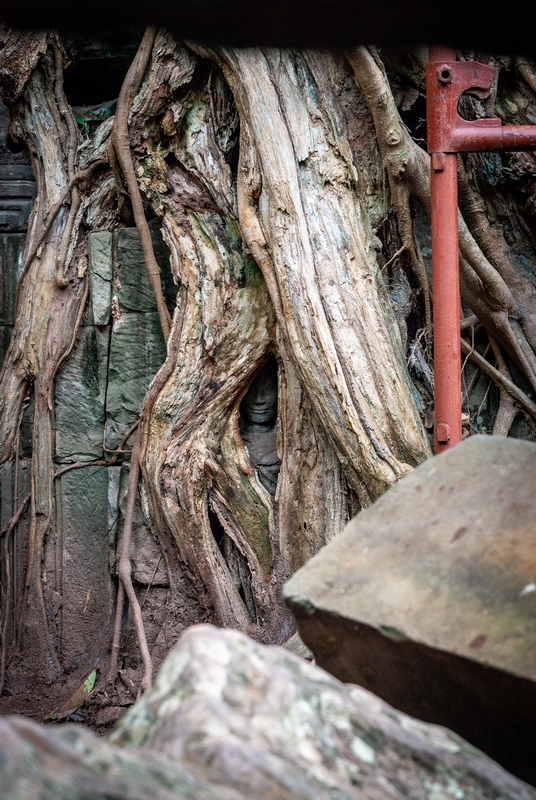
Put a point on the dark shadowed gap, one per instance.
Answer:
(414, 118)
(236, 563)
(98, 71)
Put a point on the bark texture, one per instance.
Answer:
(293, 201)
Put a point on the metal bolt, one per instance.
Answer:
(444, 75)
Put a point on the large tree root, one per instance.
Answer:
(486, 275)
(120, 139)
(299, 208)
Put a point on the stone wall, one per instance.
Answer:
(97, 397)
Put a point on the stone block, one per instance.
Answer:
(428, 597)
(137, 351)
(5, 338)
(230, 719)
(100, 275)
(82, 519)
(6, 493)
(134, 292)
(11, 251)
(80, 393)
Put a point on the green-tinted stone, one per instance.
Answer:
(100, 275)
(5, 338)
(133, 290)
(81, 498)
(137, 352)
(80, 393)
(148, 566)
(11, 250)
(6, 493)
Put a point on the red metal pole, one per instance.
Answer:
(448, 134)
(446, 290)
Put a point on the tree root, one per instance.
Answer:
(125, 577)
(498, 296)
(526, 72)
(80, 177)
(72, 143)
(120, 140)
(398, 157)
(121, 144)
(501, 380)
(507, 410)
(7, 529)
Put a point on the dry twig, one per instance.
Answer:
(501, 380)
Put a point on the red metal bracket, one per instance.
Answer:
(448, 133)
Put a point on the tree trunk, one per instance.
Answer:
(292, 198)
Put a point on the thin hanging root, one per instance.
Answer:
(123, 207)
(16, 516)
(6, 614)
(398, 253)
(10, 527)
(125, 577)
(501, 380)
(121, 143)
(114, 658)
(526, 72)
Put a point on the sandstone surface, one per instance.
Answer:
(428, 597)
(231, 719)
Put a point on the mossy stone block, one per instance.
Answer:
(137, 351)
(100, 275)
(11, 250)
(86, 581)
(80, 393)
(133, 290)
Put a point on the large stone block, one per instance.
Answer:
(80, 394)
(100, 247)
(11, 250)
(230, 719)
(5, 338)
(137, 351)
(82, 519)
(428, 598)
(265, 723)
(133, 290)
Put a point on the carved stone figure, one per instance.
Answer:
(258, 425)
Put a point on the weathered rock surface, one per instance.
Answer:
(100, 247)
(133, 290)
(229, 718)
(11, 248)
(80, 397)
(137, 351)
(428, 598)
(84, 547)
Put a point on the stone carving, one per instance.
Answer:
(17, 183)
(258, 425)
